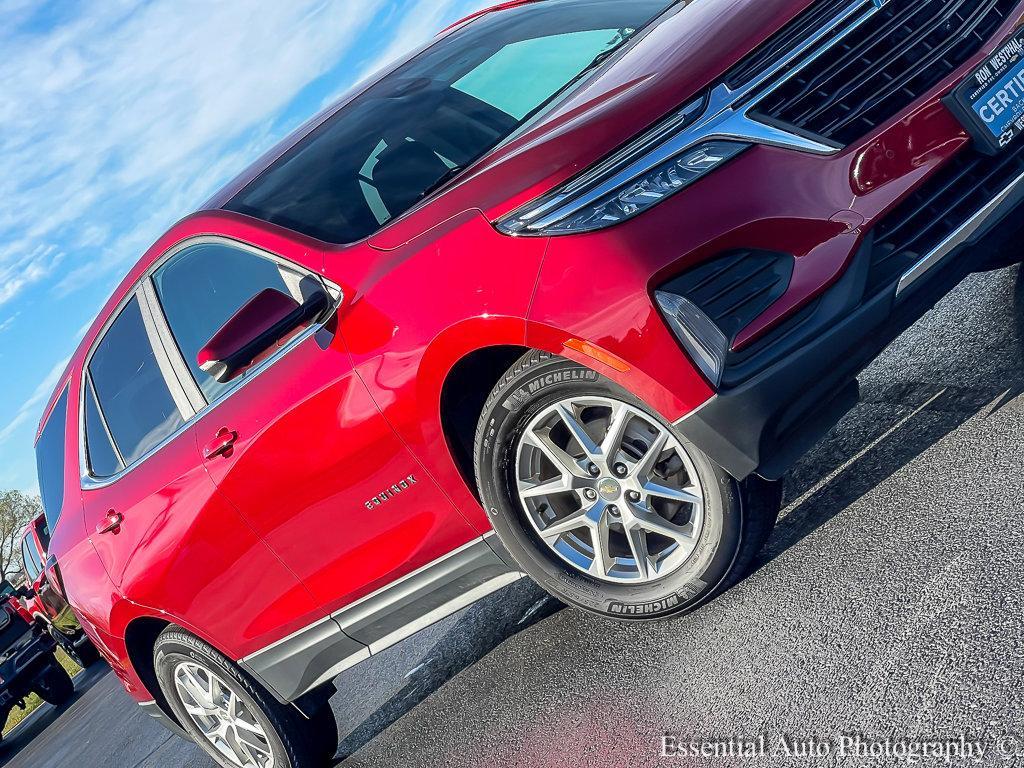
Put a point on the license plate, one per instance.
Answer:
(990, 102)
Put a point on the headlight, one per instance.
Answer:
(649, 170)
(704, 340)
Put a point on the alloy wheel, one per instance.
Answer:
(223, 718)
(609, 489)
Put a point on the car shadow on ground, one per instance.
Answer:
(901, 417)
(458, 644)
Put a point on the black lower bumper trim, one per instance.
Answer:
(765, 422)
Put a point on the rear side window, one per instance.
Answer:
(50, 451)
(130, 388)
(100, 451)
(33, 566)
(203, 286)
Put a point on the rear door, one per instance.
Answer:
(165, 535)
(314, 467)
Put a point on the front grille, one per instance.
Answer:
(735, 288)
(936, 210)
(870, 75)
(788, 38)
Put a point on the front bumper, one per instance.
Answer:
(801, 380)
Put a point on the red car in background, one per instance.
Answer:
(44, 606)
(563, 294)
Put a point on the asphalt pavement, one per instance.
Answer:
(888, 604)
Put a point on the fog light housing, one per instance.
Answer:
(701, 338)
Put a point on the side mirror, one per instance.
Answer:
(259, 325)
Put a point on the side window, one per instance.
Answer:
(50, 452)
(103, 458)
(130, 388)
(203, 286)
(33, 566)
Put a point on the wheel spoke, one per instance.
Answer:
(576, 429)
(652, 522)
(571, 523)
(561, 484)
(563, 461)
(194, 687)
(646, 465)
(638, 546)
(616, 431)
(600, 534)
(686, 496)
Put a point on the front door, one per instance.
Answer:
(297, 444)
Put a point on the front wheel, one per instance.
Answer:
(231, 716)
(55, 685)
(603, 503)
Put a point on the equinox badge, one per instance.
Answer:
(390, 493)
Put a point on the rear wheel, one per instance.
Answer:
(603, 503)
(55, 685)
(231, 716)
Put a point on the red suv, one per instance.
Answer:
(44, 606)
(563, 294)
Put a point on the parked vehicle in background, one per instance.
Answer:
(45, 605)
(564, 294)
(9, 593)
(27, 663)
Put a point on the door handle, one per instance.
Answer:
(111, 523)
(221, 445)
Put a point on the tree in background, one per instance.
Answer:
(16, 510)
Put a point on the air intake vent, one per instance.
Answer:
(870, 75)
(936, 210)
(733, 290)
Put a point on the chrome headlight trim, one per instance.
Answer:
(725, 114)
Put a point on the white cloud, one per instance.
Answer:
(32, 406)
(422, 20)
(124, 116)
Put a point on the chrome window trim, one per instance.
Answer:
(727, 115)
(180, 371)
(175, 360)
(163, 359)
(87, 387)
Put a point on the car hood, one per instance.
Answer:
(673, 61)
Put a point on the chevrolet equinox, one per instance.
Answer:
(563, 294)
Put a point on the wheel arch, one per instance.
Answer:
(463, 394)
(140, 639)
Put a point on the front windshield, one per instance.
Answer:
(416, 128)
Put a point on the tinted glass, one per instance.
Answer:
(50, 460)
(410, 132)
(202, 287)
(139, 409)
(103, 460)
(43, 532)
(33, 566)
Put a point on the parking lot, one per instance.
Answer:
(888, 603)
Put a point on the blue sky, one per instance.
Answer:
(117, 118)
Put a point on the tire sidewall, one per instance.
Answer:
(175, 648)
(542, 382)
